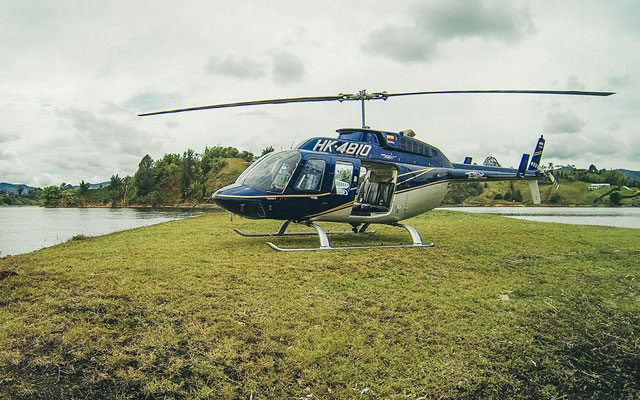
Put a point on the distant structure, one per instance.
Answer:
(596, 186)
(491, 162)
(564, 168)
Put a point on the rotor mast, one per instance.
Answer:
(363, 95)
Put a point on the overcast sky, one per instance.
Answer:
(73, 75)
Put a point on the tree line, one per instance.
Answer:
(21, 197)
(595, 175)
(172, 179)
(190, 177)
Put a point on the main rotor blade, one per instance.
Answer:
(339, 97)
(562, 92)
(364, 95)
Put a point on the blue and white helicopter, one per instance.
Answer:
(362, 177)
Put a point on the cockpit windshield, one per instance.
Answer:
(272, 173)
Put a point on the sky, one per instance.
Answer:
(75, 74)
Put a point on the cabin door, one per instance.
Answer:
(376, 191)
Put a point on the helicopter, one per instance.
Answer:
(362, 177)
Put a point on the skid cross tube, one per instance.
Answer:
(283, 228)
(326, 245)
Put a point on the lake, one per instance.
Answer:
(27, 228)
(627, 217)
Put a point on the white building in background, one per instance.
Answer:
(596, 186)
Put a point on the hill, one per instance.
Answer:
(501, 308)
(13, 187)
(635, 175)
(227, 174)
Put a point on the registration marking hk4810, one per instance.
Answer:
(328, 146)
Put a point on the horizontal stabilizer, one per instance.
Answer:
(522, 169)
(553, 180)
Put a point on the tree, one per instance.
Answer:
(83, 188)
(614, 177)
(19, 189)
(592, 168)
(267, 150)
(615, 198)
(517, 196)
(115, 189)
(145, 177)
(555, 198)
(51, 196)
(69, 198)
(129, 189)
(189, 173)
(247, 156)
(461, 191)
(33, 194)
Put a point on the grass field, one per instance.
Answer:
(500, 308)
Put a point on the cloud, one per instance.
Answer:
(108, 134)
(287, 68)
(8, 154)
(563, 121)
(574, 83)
(634, 148)
(146, 102)
(499, 20)
(436, 24)
(619, 81)
(406, 44)
(581, 147)
(240, 69)
(8, 137)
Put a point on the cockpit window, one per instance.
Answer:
(271, 173)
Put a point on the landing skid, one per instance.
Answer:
(324, 238)
(285, 225)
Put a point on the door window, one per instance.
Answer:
(311, 176)
(343, 177)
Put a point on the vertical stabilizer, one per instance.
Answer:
(537, 154)
(523, 166)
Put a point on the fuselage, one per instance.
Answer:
(363, 176)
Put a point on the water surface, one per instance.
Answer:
(622, 217)
(28, 228)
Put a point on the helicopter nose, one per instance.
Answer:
(235, 199)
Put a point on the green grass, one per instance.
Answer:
(500, 308)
